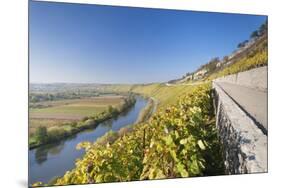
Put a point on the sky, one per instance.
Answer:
(79, 43)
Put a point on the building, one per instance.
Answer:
(200, 74)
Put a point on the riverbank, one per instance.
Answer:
(143, 116)
(44, 136)
(53, 160)
(147, 111)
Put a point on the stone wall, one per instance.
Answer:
(244, 144)
(255, 78)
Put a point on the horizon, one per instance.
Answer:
(98, 44)
(141, 83)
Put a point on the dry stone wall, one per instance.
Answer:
(244, 144)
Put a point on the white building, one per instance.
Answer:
(219, 64)
(199, 74)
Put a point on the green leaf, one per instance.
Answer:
(176, 134)
(99, 178)
(181, 170)
(194, 167)
(183, 141)
(169, 140)
(201, 145)
(174, 155)
(160, 174)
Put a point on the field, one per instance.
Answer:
(61, 112)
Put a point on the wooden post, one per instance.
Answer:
(143, 142)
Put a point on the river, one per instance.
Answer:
(53, 160)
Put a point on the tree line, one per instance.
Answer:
(43, 135)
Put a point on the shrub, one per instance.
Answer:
(55, 134)
(41, 135)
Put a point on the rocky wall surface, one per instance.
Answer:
(244, 144)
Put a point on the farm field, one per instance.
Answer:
(74, 109)
(61, 112)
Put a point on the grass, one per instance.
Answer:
(146, 112)
(166, 95)
(67, 112)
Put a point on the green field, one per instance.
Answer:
(166, 95)
(74, 109)
(59, 113)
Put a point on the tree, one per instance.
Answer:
(110, 109)
(242, 44)
(254, 35)
(263, 28)
(41, 134)
(34, 99)
(187, 74)
(211, 65)
(50, 97)
(225, 59)
(85, 118)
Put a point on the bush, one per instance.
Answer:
(55, 134)
(41, 135)
(89, 123)
(85, 118)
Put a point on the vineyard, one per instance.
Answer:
(164, 94)
(257, 58)
(156, 96)
(180, 141)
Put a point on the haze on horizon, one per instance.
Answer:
(76, 43)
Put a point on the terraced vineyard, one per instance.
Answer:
(257, 58)
(183, 136)
(163, 93)
(173, 136)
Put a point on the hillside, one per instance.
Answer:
(249, 54)
(179, 140)
(163, 93)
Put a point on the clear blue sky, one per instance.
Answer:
(103, 44)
